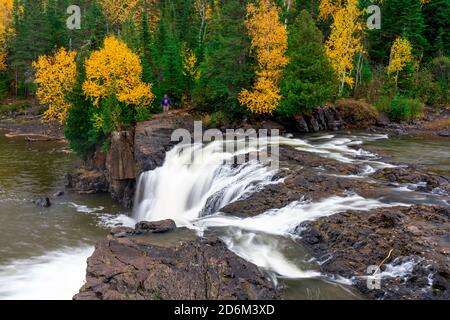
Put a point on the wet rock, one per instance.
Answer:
(134, 268)
(86, 181)
(58, 194)
(301, 125)
(42, 202)
(313, 124)
(304, 180)
(122, 232)
(417, 236)
(123, 191)
(383, 120)
(332, 118)
(155, 227)
(423, 181)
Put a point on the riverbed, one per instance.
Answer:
(43, 251)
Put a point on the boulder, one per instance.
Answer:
(86, 181)
(58, 194)
(155, 227)
(42, 202)
(127, 267)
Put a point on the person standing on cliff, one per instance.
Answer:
(166, 103)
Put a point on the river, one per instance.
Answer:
(43, 251)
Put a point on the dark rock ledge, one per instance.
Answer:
(137, 264)
(348, 243)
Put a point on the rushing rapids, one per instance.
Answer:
(193, 192)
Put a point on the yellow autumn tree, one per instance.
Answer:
(269, 42)
(118, 11)
(56, 77)
(401, 55)
(190, 63)
(345, 40)
(328, 8)
(6, 7)
(116, 71)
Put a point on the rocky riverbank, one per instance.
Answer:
(157, 261)
(411, 245)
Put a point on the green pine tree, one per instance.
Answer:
(227, 67)
(309, 78)
(436, 14)
(400, 18)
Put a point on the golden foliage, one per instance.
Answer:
(118, 11)
(345, 40)
(203, 8)
(6, 7)
(401, 55)
(116, 70)
(264, 98)
(55, 76)
(190, 67)
(328, 8)
(269, 42)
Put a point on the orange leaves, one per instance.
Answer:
(116, 70)
(6, 7)
(118, 11)
(269, 41)
(55, 77)
(264, 97)
(345, 38)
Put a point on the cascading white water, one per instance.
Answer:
(196, 181)
(56, 275)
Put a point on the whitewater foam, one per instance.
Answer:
(56, 275)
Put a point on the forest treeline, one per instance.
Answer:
(228, 58)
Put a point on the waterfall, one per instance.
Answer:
(196, 181)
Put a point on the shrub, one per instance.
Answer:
(383, 103)
(440, 69)
(403, 108)
(217, 119)
(426, 89)
(356, 113)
